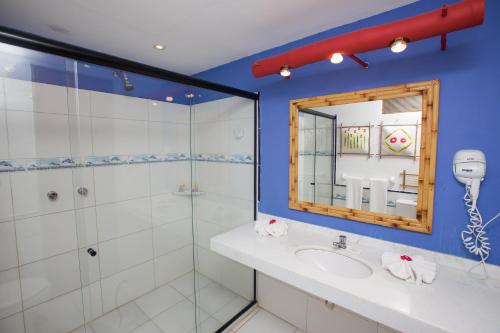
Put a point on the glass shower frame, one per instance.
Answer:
(79, 54)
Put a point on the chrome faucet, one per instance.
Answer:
(341, 244)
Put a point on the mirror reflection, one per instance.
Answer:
(363, 155)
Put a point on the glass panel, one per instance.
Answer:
(137, 159)
(111, 185)
(223, 198)
(42, 256)
(316, 157)
(324, 160)
(306, 156)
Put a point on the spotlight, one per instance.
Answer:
(285, 72)
(399, 45)
(336, 58)
(159, 47)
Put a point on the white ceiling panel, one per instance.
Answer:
(198, 34)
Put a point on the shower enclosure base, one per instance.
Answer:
(170, 309)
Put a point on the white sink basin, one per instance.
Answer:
(338, 262)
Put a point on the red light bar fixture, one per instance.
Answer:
(439, 22)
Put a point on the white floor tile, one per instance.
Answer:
(265, 322)
(12, 324)
(185, 284)
(60, 315)
(230, 309)
(159, 300)
(123, 319)
(208, 326)
(213, 297)
(180, 318)
(148, 327)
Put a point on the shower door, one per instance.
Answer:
(111, 185)
(317, 156)
(223, 195)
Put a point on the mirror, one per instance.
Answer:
(368, 155)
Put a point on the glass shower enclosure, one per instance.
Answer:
(112, 183)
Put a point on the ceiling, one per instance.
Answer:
(197, 34)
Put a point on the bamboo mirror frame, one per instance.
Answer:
(429, 90)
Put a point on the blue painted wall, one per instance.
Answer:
(469, 117)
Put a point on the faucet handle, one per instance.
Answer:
(342, 239)
(341, 244)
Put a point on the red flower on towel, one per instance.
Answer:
(273, 221)
(406, 258)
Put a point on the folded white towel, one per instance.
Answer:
(272, 227)
(413, 269)
(353, 192)
(378, 194)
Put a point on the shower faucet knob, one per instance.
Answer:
(52, 195)
(83, 191)
(92, 252)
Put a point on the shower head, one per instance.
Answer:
(127, 85)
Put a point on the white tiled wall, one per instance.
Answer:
(309, 313)
(141, 231)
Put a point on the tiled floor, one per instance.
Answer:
(170, 309)
(262, 321)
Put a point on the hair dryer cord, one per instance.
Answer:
(474, 238)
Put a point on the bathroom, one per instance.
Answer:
(214, 166)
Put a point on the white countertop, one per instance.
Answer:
(454, 302)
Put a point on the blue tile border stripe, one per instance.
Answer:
(93, 161)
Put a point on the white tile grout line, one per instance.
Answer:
(80, 266)
(13, 213)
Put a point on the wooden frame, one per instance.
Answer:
(429, 90)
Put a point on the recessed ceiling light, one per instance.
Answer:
(159, 47)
